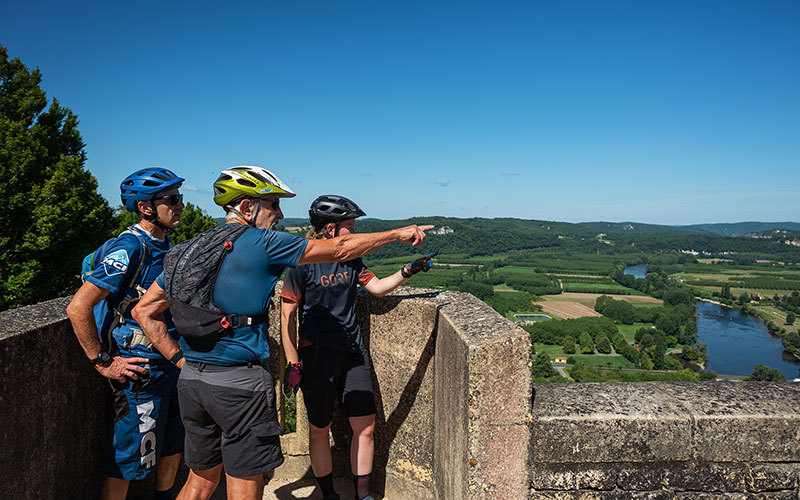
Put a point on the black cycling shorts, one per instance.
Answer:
(229, 416)
(328, 373)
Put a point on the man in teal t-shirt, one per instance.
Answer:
(226, 389)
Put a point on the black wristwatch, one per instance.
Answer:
(102, 358)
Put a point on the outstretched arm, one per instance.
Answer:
(289, 329)
(381, 287)
(352, 246)
(149, 313)
(81, 313)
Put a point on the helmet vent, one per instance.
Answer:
(245, 182)
(259, 177)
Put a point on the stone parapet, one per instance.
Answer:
(457, 417)
(55, 411)
(665, 440)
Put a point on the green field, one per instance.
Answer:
(629, 331)
(551, 350)
(516, 270)
(594, 360)
(599, 288)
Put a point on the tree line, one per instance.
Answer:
(52, 212)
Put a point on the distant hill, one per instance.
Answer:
(743, 228)
(720, 229)
(641, 228)
(294, 221)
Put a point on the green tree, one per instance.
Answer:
(790, 318)
(586, 342)
(603, 343)
(568, 344)
(658, 354)
(479, 290)
(645, 362)
(762, 373)
(707, 375)
(542, 367)
(52, 213)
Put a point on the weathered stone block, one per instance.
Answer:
(601, 495)
(773, 477)
(783, 495)
(728, 477)
(574, 477)
(641, 478)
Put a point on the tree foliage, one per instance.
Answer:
(542, 367)
(763, 373)
(52, 213)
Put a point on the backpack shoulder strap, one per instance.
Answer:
(137, 287)
(144, 253)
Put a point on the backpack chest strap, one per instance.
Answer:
(238, 321)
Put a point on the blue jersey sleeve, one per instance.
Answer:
(160, 281)
(115, 269)
(283, 249)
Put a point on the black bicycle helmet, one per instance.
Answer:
(332, 208)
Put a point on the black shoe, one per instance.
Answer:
(331, 497)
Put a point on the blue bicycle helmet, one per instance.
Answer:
(144, 184)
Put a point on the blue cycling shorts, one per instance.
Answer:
(147, 422)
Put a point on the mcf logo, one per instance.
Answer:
(147, 448)
(116, 262)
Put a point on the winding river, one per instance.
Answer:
(736, 340)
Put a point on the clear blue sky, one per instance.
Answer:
(672, 112)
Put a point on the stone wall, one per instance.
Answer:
(457, 417)
(452, 382)
(666, 440)
(54, 410)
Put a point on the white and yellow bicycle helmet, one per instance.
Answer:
(247, 181)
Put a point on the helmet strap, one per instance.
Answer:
(252, 221)
(335, 230)
(153, 218)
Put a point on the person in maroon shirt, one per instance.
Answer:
(331, 352)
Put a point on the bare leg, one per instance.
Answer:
(245, 488)
(200, 485)
(114, 488)
(166, 470)
(319, 448)
(362, 447)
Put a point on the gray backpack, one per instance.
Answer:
(190, 273)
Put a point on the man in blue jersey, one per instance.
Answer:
(335, 359)
(148, 434)
(226, 389)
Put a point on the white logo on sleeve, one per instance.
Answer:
(116, 262)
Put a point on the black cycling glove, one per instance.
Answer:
(421, 264)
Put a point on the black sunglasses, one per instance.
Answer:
(172, 199)
(276, 203)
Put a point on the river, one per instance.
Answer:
(737, 341)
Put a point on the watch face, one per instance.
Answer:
(102, 358)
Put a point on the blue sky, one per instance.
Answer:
(675, 112)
